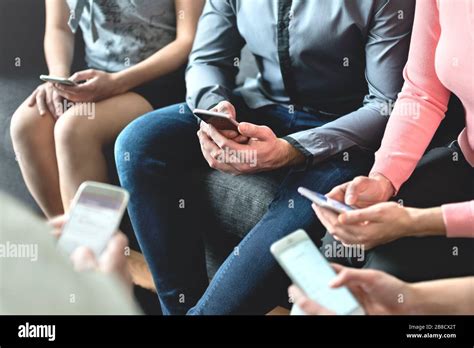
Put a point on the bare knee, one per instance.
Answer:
(73, 130)
(27, 125)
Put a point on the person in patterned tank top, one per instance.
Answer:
(135, 54)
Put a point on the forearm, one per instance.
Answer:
(447, 296)
(426, 222)
(167, 60)
(59, 56)
(290, 155)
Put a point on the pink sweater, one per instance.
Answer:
(441, 60)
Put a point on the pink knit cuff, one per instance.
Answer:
(459, 219)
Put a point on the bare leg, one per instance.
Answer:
(33, 142)
(80, 140)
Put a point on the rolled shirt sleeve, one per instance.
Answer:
(386, 53)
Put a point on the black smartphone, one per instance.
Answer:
(218, 120)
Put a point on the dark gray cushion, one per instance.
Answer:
(236, 202)
(234, 205)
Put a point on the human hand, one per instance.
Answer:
(98, 85)
(377, 292)
(111, 261)
(364, 191)
(227, 108)
(376, 225)
(264, 151)
(47, 98)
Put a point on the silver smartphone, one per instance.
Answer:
(323, 201)
(311, 272)
(61, 80)
(95, 215)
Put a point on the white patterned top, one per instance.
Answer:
(122, 33)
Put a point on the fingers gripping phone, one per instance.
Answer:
(312, 273)
(219, 120)
(324, 202)
(95, 216)
(61, 80)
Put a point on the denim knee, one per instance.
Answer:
(124, 146)
(150, 142)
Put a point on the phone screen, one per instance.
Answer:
(324, 201)
(338, 206)
(310, 271)
(93, 220)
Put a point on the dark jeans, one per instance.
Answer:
(442, 176)
(155, 155)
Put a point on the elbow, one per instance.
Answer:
(185, 43)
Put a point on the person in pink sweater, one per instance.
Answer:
(441, 62)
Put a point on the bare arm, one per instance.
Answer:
(446, 296)
(58, 39)
(170, 57)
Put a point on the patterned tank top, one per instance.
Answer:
(122, 33)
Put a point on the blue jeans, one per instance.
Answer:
(155, 155)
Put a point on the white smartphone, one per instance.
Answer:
(323, 201)
(60, 80)
(311, 272)
(95, 216)
(219, 120)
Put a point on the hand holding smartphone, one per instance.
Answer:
(324, 202)
(95, 216)
(218, 120)
(312, 273)
(60, 80)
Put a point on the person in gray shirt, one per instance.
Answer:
(329, 72)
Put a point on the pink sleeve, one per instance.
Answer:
(459, 219)
(421, 104)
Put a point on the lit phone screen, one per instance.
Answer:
(92, 222)
(312, 273)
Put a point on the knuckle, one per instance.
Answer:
(305, 305)
(223, 143)
(244, 169)
(378, 210)
(212, 163)
(266, 129)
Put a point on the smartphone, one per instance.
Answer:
(219, 120)
(96, 212)
(311, 272)
(60, 80)
(323, 201)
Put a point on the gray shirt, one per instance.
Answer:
(122, 33)
(333, 57)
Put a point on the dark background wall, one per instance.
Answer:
(21, 35)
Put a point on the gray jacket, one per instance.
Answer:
(341, 58)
